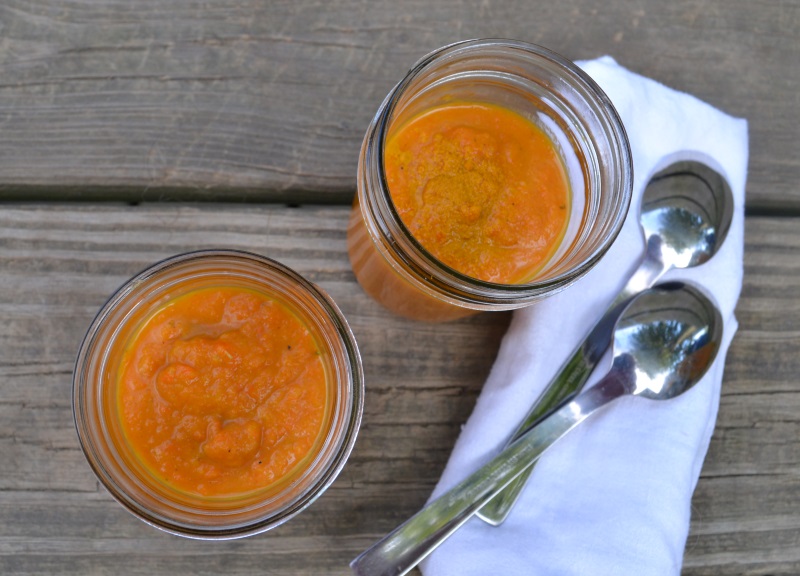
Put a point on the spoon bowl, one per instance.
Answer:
(664, 342)
(667, 338)
(687, 210)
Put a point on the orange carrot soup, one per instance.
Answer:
(480, 187)
(222, 391)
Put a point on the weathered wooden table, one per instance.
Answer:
(131, 131)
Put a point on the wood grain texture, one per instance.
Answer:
(251, 100)
(60, 262)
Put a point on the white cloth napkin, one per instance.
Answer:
(613, 497)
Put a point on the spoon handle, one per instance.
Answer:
(403, 548)
(572, 376)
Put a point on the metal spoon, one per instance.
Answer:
(685, 215)
(663, 344)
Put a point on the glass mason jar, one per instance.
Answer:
(97, 415)
(553, 93)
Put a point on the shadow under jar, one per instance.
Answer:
(394, 267)
(236, 288)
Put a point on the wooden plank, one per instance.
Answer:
(241, 99)
(60, 262)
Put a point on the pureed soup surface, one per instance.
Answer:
(222, 392)
(480, 187)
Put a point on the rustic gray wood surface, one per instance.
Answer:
(267, 102)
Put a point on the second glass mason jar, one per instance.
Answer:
(98, 404)
(561, 100)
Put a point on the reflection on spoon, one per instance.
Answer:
(685, 215)
(664, 342)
